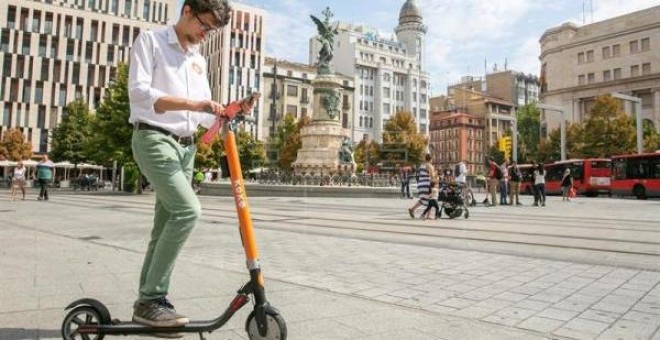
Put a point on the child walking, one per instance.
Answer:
(433, 201)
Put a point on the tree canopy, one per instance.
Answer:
(14, 147)
(287, 140)
(528, 132)
(400, 132)
(111, 135)
(72, 134)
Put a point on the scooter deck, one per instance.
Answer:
(131, 327)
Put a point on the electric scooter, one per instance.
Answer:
(89, 319)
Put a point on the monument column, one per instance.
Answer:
(325, 149)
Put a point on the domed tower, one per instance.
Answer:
(412, 31)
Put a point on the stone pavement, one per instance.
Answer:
(328, 286)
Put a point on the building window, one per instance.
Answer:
(292, 109)
(646, 69)
(634, 71)
(580, 58)
(590, 56)
(128, 7)
(146, 9)
(11, 17)
(607, 75)
(292, 91)
(617, 73)
(591, 78)
(606, 52)
(36, 21)
(634, 46)
(646, 44)
(616, 50)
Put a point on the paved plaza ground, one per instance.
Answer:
(350, 268)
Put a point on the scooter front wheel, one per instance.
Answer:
(276, 327)
(77, 317)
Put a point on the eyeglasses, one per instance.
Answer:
(204, 26)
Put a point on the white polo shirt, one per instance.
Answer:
(160, 67)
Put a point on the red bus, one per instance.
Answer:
(591, 176)
(636, 175)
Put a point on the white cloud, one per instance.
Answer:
(288, 31)
(458, 27)
(526, 57)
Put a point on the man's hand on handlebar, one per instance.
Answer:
(208, 106)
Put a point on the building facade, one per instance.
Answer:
(53, 52)
(498, 114)
(390, 74)
(579, 63)
(516, 87)
(236, 60)
(288, 90)
(456, 136)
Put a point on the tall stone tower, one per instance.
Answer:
(412, 31)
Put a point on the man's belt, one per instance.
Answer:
(185, 141)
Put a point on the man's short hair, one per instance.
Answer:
(219, 8)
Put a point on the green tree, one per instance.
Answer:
(400, 132)
(498, 155)
(529, 123)
(71, 135)
(651, 137)
(251, 151)
(607, 131)
(549, 150)
(366, 153)
(111, 132)
(287, 140)
(14, 147)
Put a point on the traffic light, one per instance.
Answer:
(500, 144)
(507, 147)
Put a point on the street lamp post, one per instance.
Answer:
(638, 114)
(563, 125)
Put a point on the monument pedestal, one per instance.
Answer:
(322, 138)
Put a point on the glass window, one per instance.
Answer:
(4, 41)
(634, 46)
(128, 7)
(292, 91)
(646, 69)
(607, 75)
(634, 71)
(606, 52)
(11, 17)
(581, 79)
(146, 9)
(580, 58)
(590, 56)
(646, 44)
(616, 50)
(591, 78)
(617, 73)
(292, 109)
(36, 21)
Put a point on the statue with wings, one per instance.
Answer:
(326, 38)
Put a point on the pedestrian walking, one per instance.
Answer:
(432, 202)
(425, 173)
(405, 182)
(535, 192)
(44, 176)
(566, 185)
(18, 180)
(539, 183)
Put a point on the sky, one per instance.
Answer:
(462, 34)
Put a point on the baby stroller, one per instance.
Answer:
(453, 205)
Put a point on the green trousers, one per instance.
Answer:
(168, 166)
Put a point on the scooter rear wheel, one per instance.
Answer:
(276, 327)
(80, 316)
